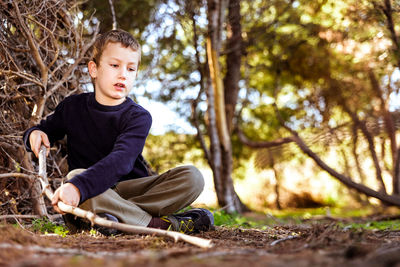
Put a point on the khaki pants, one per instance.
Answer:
(136, 201)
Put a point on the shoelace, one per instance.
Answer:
(183, 227)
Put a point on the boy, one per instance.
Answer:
(106, 133)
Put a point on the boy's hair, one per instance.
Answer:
(114, 36)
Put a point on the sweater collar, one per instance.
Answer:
(93, 102)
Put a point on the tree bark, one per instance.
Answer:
(233, 61)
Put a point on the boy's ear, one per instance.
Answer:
(92, 69)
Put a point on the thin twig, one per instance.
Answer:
(283, 239)
(17, 175)
(114, 18)
(94, 219)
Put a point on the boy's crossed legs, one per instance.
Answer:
(151, 201)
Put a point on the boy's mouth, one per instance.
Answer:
(119, 86)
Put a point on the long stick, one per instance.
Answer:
(201, 242)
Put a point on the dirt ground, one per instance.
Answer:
(311, 243)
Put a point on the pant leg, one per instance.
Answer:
(166, 193)
(112, 203)
(136, 201)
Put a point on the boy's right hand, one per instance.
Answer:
(36, 139)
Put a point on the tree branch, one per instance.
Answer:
(73, 66)
(33, 46)
(54, 41)
(262, 144)
(388, 11)
(371, 146)
(393, 200)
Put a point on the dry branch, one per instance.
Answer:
(94, 219)
(389, 199)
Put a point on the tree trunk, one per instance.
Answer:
(222, 155)
(215, 147)
(276, 175)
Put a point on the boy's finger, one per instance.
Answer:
(45, 140)
(57, 209)
(35, 148)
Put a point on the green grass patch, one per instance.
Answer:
(45, 226)
(221, 218)
(373, 225)
(301, 214)
(288, 216)
(235, 220)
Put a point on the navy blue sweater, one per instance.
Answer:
(105, 140)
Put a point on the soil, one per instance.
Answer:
(310, 243)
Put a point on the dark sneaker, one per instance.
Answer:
(105, 230)
(75, 224)
(191, 221)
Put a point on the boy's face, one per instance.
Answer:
(115, 73)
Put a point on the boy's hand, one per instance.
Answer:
(36, 138)
(67, 193)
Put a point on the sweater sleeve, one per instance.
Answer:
(107, 172)
(52, 125)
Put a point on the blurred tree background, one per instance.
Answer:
(295, 103)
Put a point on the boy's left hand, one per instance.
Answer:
(67, 193)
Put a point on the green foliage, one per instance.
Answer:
(130, 14)
(289, 216)
(373, 225)
(170, 150)
(45, 226)
(235, 220)
(93, 232)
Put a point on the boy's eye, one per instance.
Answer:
(131, 69)
(114, 65)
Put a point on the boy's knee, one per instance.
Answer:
(195, 179)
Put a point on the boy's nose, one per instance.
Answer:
(123, 73)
